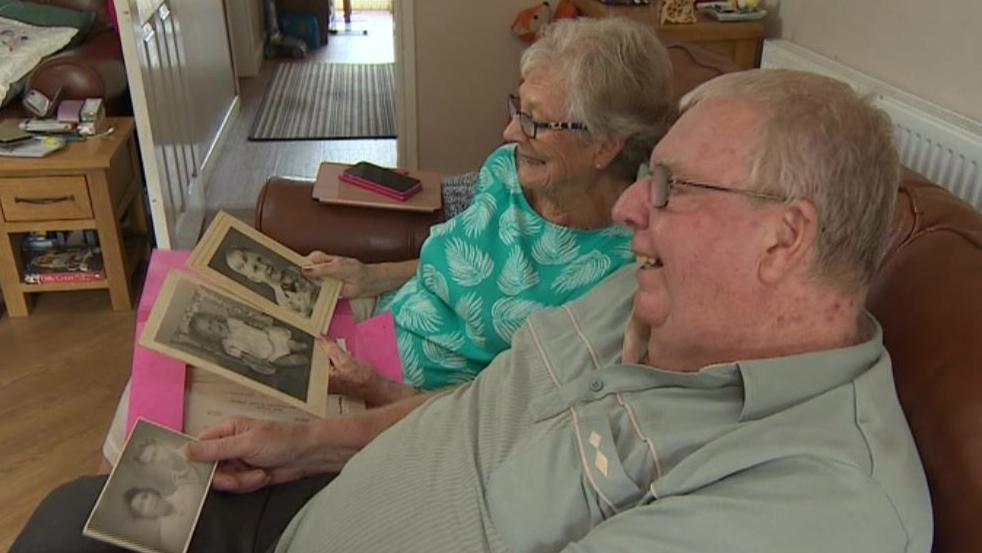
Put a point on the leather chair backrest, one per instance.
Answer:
(928, 297)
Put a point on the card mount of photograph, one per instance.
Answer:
(242, 342)
(265, 273)
(161, 525)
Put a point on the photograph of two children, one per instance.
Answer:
(245, 311)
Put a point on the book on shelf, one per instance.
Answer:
(63, 264)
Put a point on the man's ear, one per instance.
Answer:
(791, 240)
(606, 150)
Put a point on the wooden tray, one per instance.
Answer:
(329, 189)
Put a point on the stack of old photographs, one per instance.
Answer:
(253, 318)
(154, 495)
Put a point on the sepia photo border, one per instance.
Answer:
(142, 427)
(168, 309)
(213, 238)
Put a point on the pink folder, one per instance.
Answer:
(157, 383)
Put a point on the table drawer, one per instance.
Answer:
(44, 198)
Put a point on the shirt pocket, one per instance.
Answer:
(558, 485)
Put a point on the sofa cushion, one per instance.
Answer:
(928, 297)
(46, 15)
(24, 46)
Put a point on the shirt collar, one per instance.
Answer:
(770, 385)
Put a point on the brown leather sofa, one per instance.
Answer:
(93, 69)
(927, 296)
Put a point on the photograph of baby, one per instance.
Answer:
(265, 273)
(205, 327)
(153, 496)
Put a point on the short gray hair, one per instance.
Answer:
(822, 142)
(618, 77)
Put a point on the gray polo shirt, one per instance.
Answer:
(558, 446)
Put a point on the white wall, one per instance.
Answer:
(930, 49)
(466, 65)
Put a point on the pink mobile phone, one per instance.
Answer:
(387, 182)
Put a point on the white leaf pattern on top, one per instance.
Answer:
(435, 282)
(444, 228)
(502, 168)
(585, 270)
(513, 223)
(411, 372)
(470, 308)
(476, 218)
(556, 246)
(517, 275)
(443, 356)
(420, 315)
(508, 314)
(469, 266)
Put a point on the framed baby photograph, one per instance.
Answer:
(153, 496)
(263, 272)
(207, 327)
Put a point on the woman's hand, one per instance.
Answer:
(254, 453)
(353, 378)
(360, 280)
(355, 275)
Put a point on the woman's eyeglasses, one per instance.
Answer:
(530, 127)
(661, 181)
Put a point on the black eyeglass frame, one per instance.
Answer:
(525, 120)
(660, 190)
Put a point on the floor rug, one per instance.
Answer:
(319, 101)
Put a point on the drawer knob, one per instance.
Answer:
(43, 201)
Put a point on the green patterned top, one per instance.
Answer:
(484, 271)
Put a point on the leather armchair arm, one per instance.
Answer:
(94, 69)
(287, 211)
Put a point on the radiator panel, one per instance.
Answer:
(938, 143)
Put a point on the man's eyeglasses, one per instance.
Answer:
(661, 181)
(530, 127)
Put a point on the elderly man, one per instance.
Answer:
(750, 407)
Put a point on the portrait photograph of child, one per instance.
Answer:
(237, 257)
(208, 328)
(152, 498)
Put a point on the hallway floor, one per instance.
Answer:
(243, 166)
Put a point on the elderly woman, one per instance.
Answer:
(594, 100)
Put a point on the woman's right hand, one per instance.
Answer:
(356, 276)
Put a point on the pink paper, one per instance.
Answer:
(342, 322)
(372, 340)
(376, 344)
(157, 381)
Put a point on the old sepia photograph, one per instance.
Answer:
(154, 494)
(242, 259)
(206, 327)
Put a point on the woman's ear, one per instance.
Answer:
(606, 150)
(790, 241)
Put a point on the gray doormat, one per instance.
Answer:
(318, 101)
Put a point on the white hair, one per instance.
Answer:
(617, 75)
(824, 143)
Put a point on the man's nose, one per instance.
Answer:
(631, 209)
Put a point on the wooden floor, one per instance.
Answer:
(61, 372)
(62, 368)
(244, 166)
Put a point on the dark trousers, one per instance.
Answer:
(234, 523)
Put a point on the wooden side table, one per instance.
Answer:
(93, 184)
(739, 41)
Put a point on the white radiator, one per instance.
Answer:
(937, 143)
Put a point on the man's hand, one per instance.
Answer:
(359, 280)
(254, 453)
